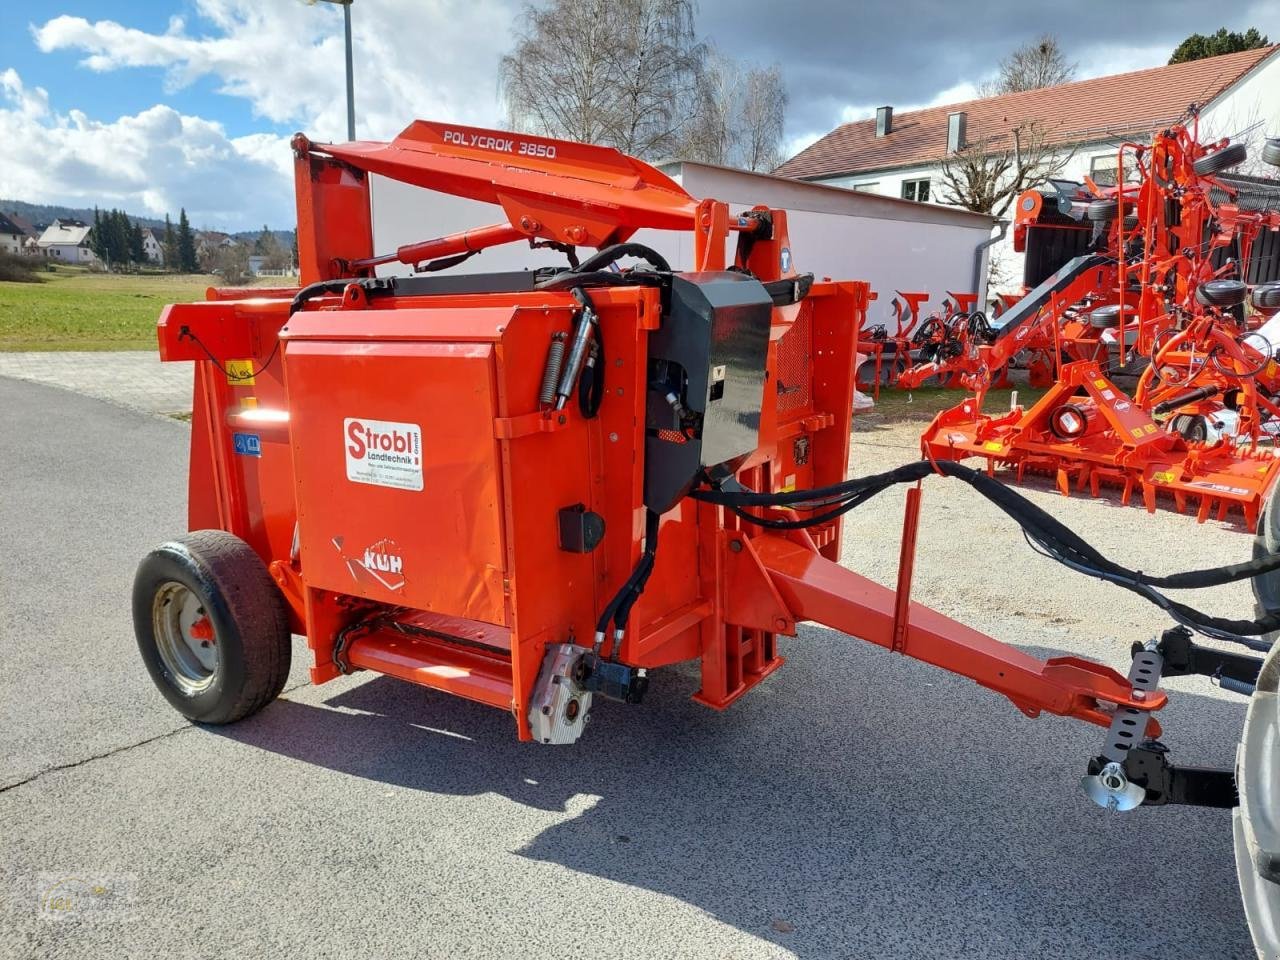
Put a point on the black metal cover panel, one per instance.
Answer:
(716, 330)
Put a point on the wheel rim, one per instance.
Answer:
(184, 637)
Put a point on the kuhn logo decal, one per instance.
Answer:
(383, 453)
(380, 562)
(383, 562)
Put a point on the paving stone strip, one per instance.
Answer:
(131, 378)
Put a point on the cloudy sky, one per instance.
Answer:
(156, 104)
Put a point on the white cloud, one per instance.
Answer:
(151, 163)
(431, 59)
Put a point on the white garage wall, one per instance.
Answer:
(893, 244)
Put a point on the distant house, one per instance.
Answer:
(68, 241)
(903, 155)
(13, 238)
(153, 244)
(209, 241)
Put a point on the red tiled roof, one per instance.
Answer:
(1077, 112)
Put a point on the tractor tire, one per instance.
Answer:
(1266, 541)
(1220, 160)
(1265, 296)
(1271, 152)
(211, 626)
(1102, 210)
(1255, 823)
(1221, 293)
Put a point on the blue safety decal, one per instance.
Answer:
(248, 444)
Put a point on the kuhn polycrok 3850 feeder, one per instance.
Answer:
(529, 489)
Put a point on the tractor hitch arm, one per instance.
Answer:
(814, 588)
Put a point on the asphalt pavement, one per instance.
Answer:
(856, 805)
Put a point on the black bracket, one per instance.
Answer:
(1182, 657)
(1148, 766)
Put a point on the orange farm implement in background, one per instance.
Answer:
(1170, 279)
(530, 489)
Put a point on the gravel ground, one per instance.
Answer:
(856, 805)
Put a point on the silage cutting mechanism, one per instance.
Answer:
(1171, 279)
(531, 488)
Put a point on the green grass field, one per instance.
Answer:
(78, 310)
(922, 405)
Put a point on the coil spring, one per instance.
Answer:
(551, 372)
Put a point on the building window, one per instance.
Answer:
(1102, 169)
(872, 187)
(917, 190)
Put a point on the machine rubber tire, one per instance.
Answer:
(1271, 152)
(1105, 317)
(1265, 296)
(244, 609)
(1102, 210)
(1190, 426)
(1226, 158)
(1221, 293)
(1256, 822)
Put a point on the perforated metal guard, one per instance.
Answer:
(795, 364)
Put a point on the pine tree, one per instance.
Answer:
(186, 244)
(97, 242)
(117, 230)
(137, 247)
(265, 243)
(170, 245)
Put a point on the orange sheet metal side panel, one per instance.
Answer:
(241, 477)
(398, 489)
(556, 594)
(333, 216)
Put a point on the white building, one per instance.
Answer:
(888, 242)
(68, 241)
(153, 244)
(13, 239)
(1084, 122)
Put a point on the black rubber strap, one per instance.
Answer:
(789, 290)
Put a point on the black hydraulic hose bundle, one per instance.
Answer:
(1042, 530)
(619, 608)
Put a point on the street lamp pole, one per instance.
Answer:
(351, 87)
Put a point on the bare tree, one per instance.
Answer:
(764, 112)
(619, 72)
(633, 74)
(987, 175)
(714, 136)
(1039, 63)
(740, 116)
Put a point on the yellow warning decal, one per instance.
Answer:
(239, 372)
(1136, 431)
(1150, 428)
(1164, 476)
(992, 445)
(1100, 383)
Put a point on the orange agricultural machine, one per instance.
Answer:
(530, 489)
(1171, 279)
